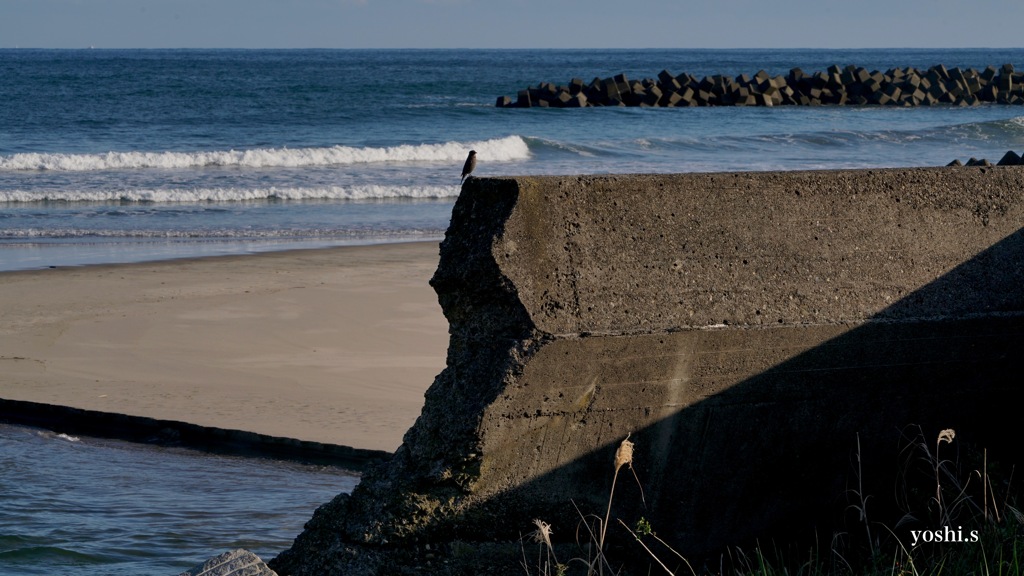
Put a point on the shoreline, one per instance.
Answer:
(332, 347)
(24, 258)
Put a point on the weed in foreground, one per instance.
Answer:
(953, 523)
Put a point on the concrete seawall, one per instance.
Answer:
(745, 329)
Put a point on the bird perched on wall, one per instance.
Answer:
(467, 168)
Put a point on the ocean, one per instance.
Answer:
(134, 155)
(73, 506)
(131, 155)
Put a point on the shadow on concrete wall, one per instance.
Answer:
(776, 454)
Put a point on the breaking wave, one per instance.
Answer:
(510, 148)
(185, 195)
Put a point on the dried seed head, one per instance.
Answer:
(543, 533)
(624, 455)
(946, 435)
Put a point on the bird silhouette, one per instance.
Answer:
(468, 167)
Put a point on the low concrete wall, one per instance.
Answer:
(68, 420)
(746, 330)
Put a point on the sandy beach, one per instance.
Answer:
(331, 345)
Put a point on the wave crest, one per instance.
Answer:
(28, 235)
(185, 195)
(508, 149)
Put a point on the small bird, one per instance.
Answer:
(467, 169)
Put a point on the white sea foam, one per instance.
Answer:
(508, 149)
(368, 192)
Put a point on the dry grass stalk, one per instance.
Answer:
(946, 436)
(543, 533)
(623, 457)
(600, 560)
(652, 554)
(862, 510)
(984, 484)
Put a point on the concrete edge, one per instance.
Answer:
(144, 430)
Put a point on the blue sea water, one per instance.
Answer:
(127, 155)
(81, 506)
(132, 155)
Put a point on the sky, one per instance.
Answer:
(511, 23)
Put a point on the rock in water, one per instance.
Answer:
(234, 563)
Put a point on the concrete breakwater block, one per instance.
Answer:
(753, 334)
(1011, 158)
(851, 85)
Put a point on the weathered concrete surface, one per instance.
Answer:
(746, 329)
